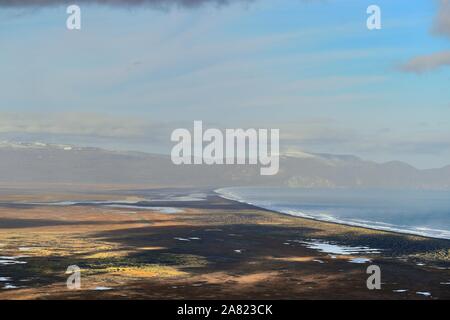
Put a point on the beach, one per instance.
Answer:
(193, 244)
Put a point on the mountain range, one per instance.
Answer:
(49, 163)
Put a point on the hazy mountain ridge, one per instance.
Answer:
(46, 163)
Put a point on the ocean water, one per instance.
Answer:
(420, 212)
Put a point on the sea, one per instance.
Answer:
(418, 212)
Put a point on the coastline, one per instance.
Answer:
(209, 249)
(222, 193)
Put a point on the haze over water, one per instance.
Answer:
(419, 212)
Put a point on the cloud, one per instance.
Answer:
(423, 147)
(434, 61)
(442, 20)
(82, 124)
(114, 131)
(155, 3)
(425, 63)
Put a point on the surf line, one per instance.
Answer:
(234, 146)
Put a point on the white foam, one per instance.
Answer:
(425, 232)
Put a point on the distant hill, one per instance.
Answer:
(45, 163)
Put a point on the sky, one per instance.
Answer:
(311, 68)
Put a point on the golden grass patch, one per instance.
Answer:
(152, 248)
(293, 259)
(107, 255)
(147, 271)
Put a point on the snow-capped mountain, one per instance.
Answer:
(54, 163)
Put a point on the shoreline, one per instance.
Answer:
(213, 248)
(338, 222)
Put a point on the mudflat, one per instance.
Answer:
(175, 244)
